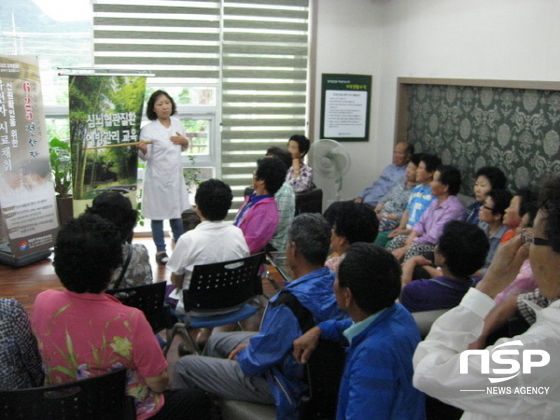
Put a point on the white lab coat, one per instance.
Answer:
(165, 193)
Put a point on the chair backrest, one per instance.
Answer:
(310, 201)
(101, 397)
(149, 299)
(324, 372)
(223, 285)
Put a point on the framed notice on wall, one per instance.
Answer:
(345, 107)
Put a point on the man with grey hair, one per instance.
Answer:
(259, 366)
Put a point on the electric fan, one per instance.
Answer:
(331, 160)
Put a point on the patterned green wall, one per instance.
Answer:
(517, 130)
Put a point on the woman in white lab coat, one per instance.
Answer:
(165, 193)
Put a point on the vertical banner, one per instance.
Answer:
(345, 107)
(105, 116)
(29, 220)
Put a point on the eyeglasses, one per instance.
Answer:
(488, 208)
(527, 238)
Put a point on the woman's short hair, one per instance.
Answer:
(116, 208)
(549, 203)
(464, 246)
(373, 275)
(150, 113)
(357, 222)
(430, 161)
(450, 176)
(273, 172)
(87, 251)
(528, 201)
(501, 199)
(281, 154)
(415, 158)
(303, 143)
(213, 199)
(494, 175)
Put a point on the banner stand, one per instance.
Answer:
(13, 261)
(29, 222)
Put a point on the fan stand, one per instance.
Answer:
(338, 182)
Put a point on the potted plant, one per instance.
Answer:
(59, 154)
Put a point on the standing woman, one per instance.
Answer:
(165, 193)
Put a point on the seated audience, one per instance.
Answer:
(444, 208)
(258, 215)
(20, 361)
(381, 335)
(491, 213)
(444, 371)
(460, 252)
(487, 179)
(522, 202)
(83, 332)
(525, 281)
(300, 176)
(286, 202)
(391, 174)
(421, 195)
(355, 223)
(117, 208)
(259, 366)
(213, 240)
(392, 206)
(381, 186)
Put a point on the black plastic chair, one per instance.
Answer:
(310, 201)
(218, 294)
(149, 299)
(102, 397)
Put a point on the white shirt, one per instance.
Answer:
(164, 193)
(208, 243)
(437, 364)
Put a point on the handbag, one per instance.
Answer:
(123, 271)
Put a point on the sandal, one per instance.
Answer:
(162, 258)
(183, 351)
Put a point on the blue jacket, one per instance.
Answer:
(377, 379)
(270, 352)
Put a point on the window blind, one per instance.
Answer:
(178, 41)
(264, 81)
(256, 49)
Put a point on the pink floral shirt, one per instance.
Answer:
(85, 334)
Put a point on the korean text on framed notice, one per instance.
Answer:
(345, 107)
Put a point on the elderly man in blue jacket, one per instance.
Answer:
(381, 334)
(260, 367)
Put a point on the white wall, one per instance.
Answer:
(349, 38)
(474, 39)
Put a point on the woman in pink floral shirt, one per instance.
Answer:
(84, 332)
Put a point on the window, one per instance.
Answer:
(254, 51)
(238, 69)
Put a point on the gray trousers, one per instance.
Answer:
(221, 377)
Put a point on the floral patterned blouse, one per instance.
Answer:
(20, 362)
(304, 181)
(86, 334)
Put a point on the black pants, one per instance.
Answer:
(184, 404)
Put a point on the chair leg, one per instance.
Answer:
(185, 332)
(170, 335)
